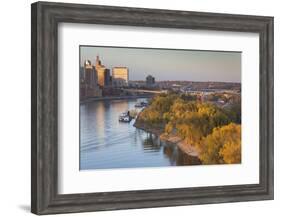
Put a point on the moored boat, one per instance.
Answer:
(125, 117)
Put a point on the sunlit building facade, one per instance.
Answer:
(103, 73)
(120, 76)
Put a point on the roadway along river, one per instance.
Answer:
(107, 143)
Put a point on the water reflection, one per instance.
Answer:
(151, 143)
(178, 158)
(107, 143)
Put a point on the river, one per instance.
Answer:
(107, 143)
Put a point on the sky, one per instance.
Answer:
(168, 64)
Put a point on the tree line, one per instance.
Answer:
(213, 130)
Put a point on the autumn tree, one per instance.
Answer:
(214, 131)
(234, 112)
(223, 145)
(162, 103)
(169, 128)
(150, 117)
(231, 152)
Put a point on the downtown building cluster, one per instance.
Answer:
(96, 79)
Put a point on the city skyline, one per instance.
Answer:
(168, 64)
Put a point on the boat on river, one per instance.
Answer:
(125, 117)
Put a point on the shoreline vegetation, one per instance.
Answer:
(172, 139)
(200, 129)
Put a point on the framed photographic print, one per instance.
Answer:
(135, 108)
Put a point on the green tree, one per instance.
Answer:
(234, 113)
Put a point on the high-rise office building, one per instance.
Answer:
(120, 76)
(150, 81)
(103, 73)
(88, 82)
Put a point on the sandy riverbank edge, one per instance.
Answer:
(176, 140)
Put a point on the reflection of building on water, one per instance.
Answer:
(100, 119)
(123, 106)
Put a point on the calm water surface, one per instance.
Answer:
(107, 143)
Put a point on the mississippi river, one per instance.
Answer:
(107, 143)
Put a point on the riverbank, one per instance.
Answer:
(172, 138)
(104, 98)
(185, 147)
(154, 130)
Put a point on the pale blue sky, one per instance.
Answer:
(166, 64)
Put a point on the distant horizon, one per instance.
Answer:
(169, 64)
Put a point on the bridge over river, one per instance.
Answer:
(139, 91)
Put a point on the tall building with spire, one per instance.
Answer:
(95, 79)
(90, 74)
(103, 73)
(88, 82)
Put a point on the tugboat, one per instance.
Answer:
(125, 117)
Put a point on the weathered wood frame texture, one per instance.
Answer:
(45, 18)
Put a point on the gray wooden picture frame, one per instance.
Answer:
(45, 18)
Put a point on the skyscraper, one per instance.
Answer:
(150, 81)
(120, 76)
(103, 73)
(88, 84)
(90, 73)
